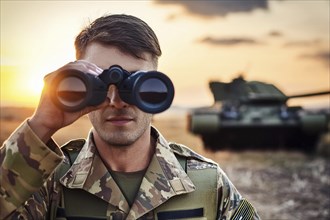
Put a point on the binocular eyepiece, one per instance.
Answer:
(150, 91)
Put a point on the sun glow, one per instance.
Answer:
(34, 86)
(19, 87)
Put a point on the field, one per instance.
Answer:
(281, 185)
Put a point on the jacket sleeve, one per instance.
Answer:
(26, 166)
(231, 205)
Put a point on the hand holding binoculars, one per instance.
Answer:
(150, 91)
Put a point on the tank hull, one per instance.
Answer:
(253, 129)
(260, 138)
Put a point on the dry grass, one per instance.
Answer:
(282, 185)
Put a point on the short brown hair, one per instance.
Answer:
(130, 34)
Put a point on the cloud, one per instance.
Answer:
(275, 33)
(229, 41)
(303, 43)
(211, 8)
(323, 56)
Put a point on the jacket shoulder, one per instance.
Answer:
(184, 151)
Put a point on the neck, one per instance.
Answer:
(131, 158)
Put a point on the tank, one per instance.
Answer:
(255, 115)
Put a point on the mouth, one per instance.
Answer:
(119, 120)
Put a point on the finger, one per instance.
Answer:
(91, 66)
(80, 65)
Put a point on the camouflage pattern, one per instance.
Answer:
(29, 190)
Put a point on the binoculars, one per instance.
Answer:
(150, 91)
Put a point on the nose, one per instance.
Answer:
(114, 98)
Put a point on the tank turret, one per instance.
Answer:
(255, 115)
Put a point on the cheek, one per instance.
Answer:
(93, 117)
(147, 118)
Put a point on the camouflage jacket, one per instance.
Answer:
(29, 189)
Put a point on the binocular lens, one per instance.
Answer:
(71, 91)
(153, 91)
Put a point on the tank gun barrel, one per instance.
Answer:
(309, 94)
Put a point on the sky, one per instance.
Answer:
(284, 42)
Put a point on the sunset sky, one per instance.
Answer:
(282, 42)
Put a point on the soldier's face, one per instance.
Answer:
(118, 124)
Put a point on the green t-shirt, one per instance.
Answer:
(129, 183)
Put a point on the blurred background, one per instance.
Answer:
(284, 42)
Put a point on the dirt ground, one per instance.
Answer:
(281, 185)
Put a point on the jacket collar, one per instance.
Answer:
(164, 178)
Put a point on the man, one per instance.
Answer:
(125, 169)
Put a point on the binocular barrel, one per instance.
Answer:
(150, 91)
